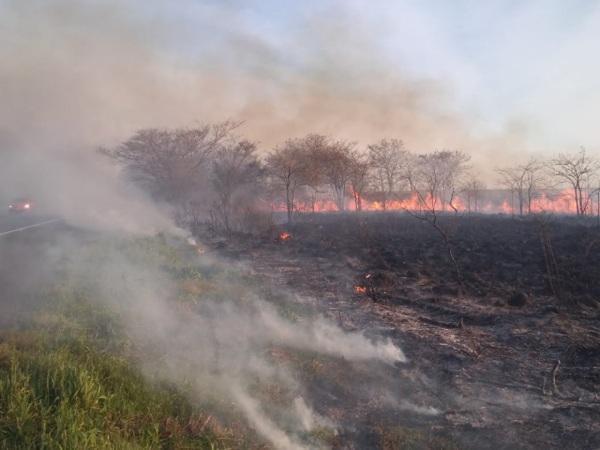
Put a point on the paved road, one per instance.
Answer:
(28, 243)
(11, 223)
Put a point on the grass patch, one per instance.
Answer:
(70, 377)
(63, 391)
(68, 381)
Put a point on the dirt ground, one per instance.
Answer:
(504, 354)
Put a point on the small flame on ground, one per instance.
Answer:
(284, 236)
(360, 289)
(192, 242)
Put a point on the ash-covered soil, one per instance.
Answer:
(504, 355)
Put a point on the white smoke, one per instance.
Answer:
(220, 347)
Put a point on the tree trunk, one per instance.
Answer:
(357, 200)
(520, 203)
(289, 200)
(339, 193)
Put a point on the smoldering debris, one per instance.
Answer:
(219, 344)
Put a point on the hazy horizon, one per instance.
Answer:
(497, 80)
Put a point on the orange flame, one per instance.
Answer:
(284, 236)
(561, 202)
(360, 289)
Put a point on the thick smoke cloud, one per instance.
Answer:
(76, 75)
(68, 72)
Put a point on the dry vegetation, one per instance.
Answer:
(211, 171)
(497, 315)
(73, 374)
(509, 356)
(70, 375)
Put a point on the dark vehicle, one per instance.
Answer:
(20, 205)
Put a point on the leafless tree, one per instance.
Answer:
(359, 177)
(472, 190)
(526, 181)
(290, 166)
(578, 171)
(388, 160)
(167, 162)
(337, 168)
(534, 181)
(435, 178)
(235, 177)
(314, 176)
(511, 181)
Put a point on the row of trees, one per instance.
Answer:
(384, 170)
(577, 172)
(209, 171)
(202, 172)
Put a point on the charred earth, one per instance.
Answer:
(504, 355)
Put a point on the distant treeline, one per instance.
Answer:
(209, 174)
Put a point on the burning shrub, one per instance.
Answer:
(284, 236)
(377, 285)
(360, 290)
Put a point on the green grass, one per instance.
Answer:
(61, 388)
(68, 378)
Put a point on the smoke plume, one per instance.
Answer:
(220, 347)
(81, 74)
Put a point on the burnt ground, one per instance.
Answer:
(508, 358)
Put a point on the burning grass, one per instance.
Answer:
(284, 236)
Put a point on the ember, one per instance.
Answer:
(284, 236)
(360, 289)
